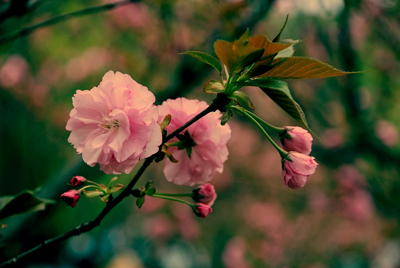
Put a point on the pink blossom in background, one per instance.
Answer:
(77, 180)
(187, 224)
(300, 141)
(207, 192)
(71, 197)
(114, 124)
(202, 210)
(94, 58)
(350, 179)
(210, 151)
(14, 71)
(332, 138)
(387, 133)
(158, 227)
(358, 206)
(296, 172)
(234, 253)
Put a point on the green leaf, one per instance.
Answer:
(189, 151)
(151, 191)
(238, 54)
(227, 115)
(244, 99)
(302, 68)
(279, 92)
(214, 87)
(148, 185)
(140, 202)
(287, 52)
(204, 57)
(278, 37)
(23, 202)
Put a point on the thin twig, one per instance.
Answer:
(87, 11)
(218, 103)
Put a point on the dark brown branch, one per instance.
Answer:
(87, 11)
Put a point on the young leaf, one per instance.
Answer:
(214, 87)
(23, 202)
(206, 58)
(238, 54)
(261, 41)
(166, 121)
(105, 198)
(112, 181)
(278, 37)
(227, 115)
(148, 185)
(151, 191)
(117, 187)
(302, 68)
(244, 99)
(140, 202)
(287, 52)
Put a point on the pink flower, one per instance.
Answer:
(114, 124)
(77, 180)
(296, 172)
(206, 139)
(71, 197)
(202, 210)
(205, 194)
(297, 139)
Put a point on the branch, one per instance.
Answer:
(87, 11)
(218, 103)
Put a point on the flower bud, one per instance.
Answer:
(71, 197)
(296, 169)
(205, 194)
(77, 180)
(202, 210)
(297, 139)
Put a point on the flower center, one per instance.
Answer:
(108, 123)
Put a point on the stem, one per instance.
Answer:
(175, 143)
(95, 183)
(83, 188)
(186, 194)
(172, 199)
(279, 130)
(87, 11)
(282, 152)
(218, 103)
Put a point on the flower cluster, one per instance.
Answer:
(201, 149)
(114, 124)
(297, 165)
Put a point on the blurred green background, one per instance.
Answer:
(348, 213)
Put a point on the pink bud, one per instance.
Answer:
(202, 210)
(77, 180)
(205, 194)
(296, 172)
(71, 197)
(297, 139)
